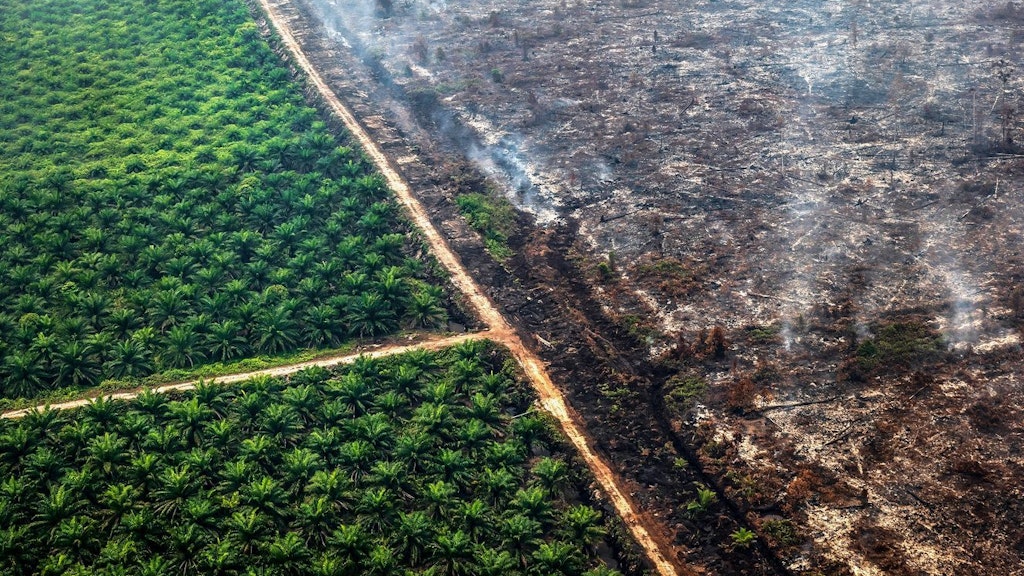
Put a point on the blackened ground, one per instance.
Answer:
(546, 292)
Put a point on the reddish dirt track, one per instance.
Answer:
(551, 398)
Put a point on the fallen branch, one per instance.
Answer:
(770, 297)
(798, 404)
(845, 431)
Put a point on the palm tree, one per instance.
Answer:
(219, 557)
(352, 544)
(276, 330)
(176, 486)
(76, 366)
(552, 474)
(381, 562)
(412, 536)
(495, 384)
(181, 348)
(258, 448)
(357, 458)
(77, 434)
(142, 471)
(94, 307)
(529, 429)
(43, 423)
(156, 565)
(581, 525)
(405, 379)
(333, 485)
(424, 310)
(165, 439)
(118, 500)
(102, 411)
(389, 246)
(43, 465)
(224, 341)
(288, 553)
(123, 321)
(472, 435)
(107, 453)
(486, 408)
(150, 402)
(326, 441)
(247, 528)
(475, 517)
(235, 474)
(376, 429)
(15, 445)
(464, 373)
(453, 466)
(437, 497)
(321, 326)
(78, 534)
(369, 314)
(298, 466)
(451, 552)
(265, 495)
(185, 543)
(214, 396)
(353, 392)
(391, 404)
(169, 308)
(391, 285)
(22, 375)
(130, 359)
(60, 505)
(433, 418)
(533, 502)
(315, 519)
(133, 427)
(414, 448)
(56, 564)
(119, 551)
(376, 510)
(492, 562)
(281, 422)
(355, 283)
(393, 476)
(520, 536)
(558, 558)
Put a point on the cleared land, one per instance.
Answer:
(835, 186)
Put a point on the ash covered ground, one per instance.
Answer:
(837, 185)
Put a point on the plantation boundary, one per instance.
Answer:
(550, 397)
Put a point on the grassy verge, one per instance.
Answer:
(493, 218)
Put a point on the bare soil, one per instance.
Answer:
(837, 187)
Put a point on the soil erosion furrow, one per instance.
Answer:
(432, 344)
(551, 397)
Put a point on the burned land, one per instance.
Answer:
(771, 250)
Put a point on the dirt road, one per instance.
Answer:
(429, 344)
(501, 331)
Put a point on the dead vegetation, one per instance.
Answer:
(812, 216)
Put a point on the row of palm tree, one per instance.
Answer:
(168, 200)
(406, 465)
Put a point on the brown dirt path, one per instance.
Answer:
(429, 344)
(551, 398)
